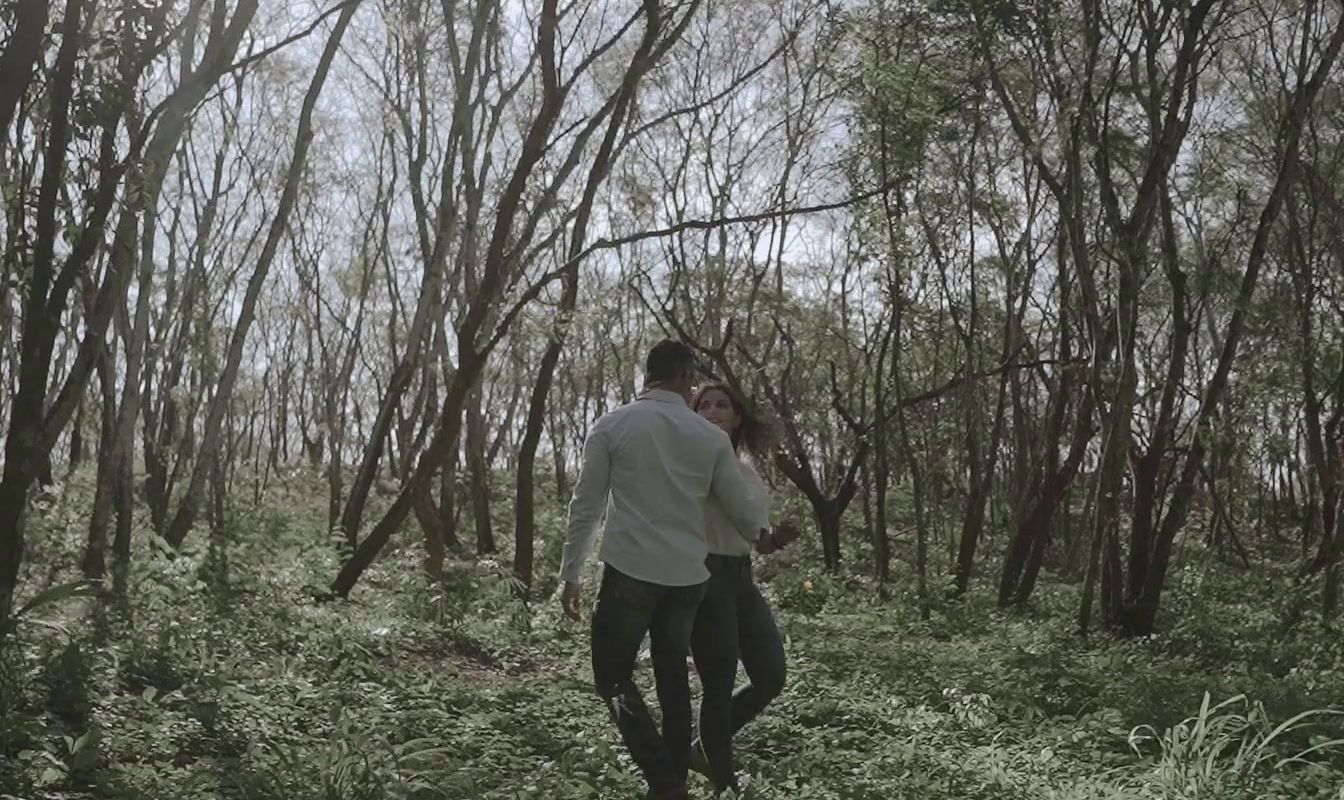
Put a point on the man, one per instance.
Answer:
(659, 462)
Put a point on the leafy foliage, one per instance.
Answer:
(456, 689)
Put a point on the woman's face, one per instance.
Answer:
(715, 406)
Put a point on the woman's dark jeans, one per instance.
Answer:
(733, 622)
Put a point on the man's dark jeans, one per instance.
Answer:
(627, 609)
(733, 622)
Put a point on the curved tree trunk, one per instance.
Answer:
(525, 524)
(433, 299)
(524, 530)
(26, 450)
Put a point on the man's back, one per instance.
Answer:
(659, 461)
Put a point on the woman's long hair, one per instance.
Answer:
(755, 433)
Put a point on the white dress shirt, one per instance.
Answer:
(721, 535)
(653, 464)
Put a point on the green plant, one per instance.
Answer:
(806, 596)
(153, 663)
(50, 597)
(1222, 748)
(65, 760)
(67, 678)
(365, 765)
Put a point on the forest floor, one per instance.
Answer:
(221, 678)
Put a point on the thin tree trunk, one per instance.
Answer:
(1093, 565)
(448, 500)
(433, 298)
(1140, 617)
(431, 524)
(525, 522)
(478, 472)
(471, 357)
(76, 458)
(105, 483)
(23, 455)
(185, 517)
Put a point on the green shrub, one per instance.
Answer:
(67, 683)
(806, 596)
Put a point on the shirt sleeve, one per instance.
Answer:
(760, 491)
(586, 506)
(736, 495)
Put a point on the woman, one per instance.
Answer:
(734, 622)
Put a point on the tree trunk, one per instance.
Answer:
(1052, 478)
(158, 439)
(1093, 566)
(161, 431)
(921, 525)
(982, 484)
(1117, 440)
(525, 524)
(479, 474)
(21, 54)
(524, 530)
(1033, 528)
(828, 518)
(1330, 590)
(558, 462)
(433, 298)
(448, 506)
(106, 483)
(431, 523)
(76, 442)
(448, 428)
(128, 409)
(881, 468)
(866, 492)
(881, 535)
(121, 540)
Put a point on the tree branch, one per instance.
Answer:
(535, 290)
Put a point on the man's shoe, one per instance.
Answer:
(699, 760)
(678, 793)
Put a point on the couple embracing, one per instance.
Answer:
(684, 510)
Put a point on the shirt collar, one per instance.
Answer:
(662, 396)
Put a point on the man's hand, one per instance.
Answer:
(569, 599)
(784, 534)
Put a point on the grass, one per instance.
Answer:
(244, 688)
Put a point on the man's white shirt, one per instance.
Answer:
(652, 465)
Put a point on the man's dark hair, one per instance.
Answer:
(667, 361)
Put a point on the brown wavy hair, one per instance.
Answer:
(755, 432)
